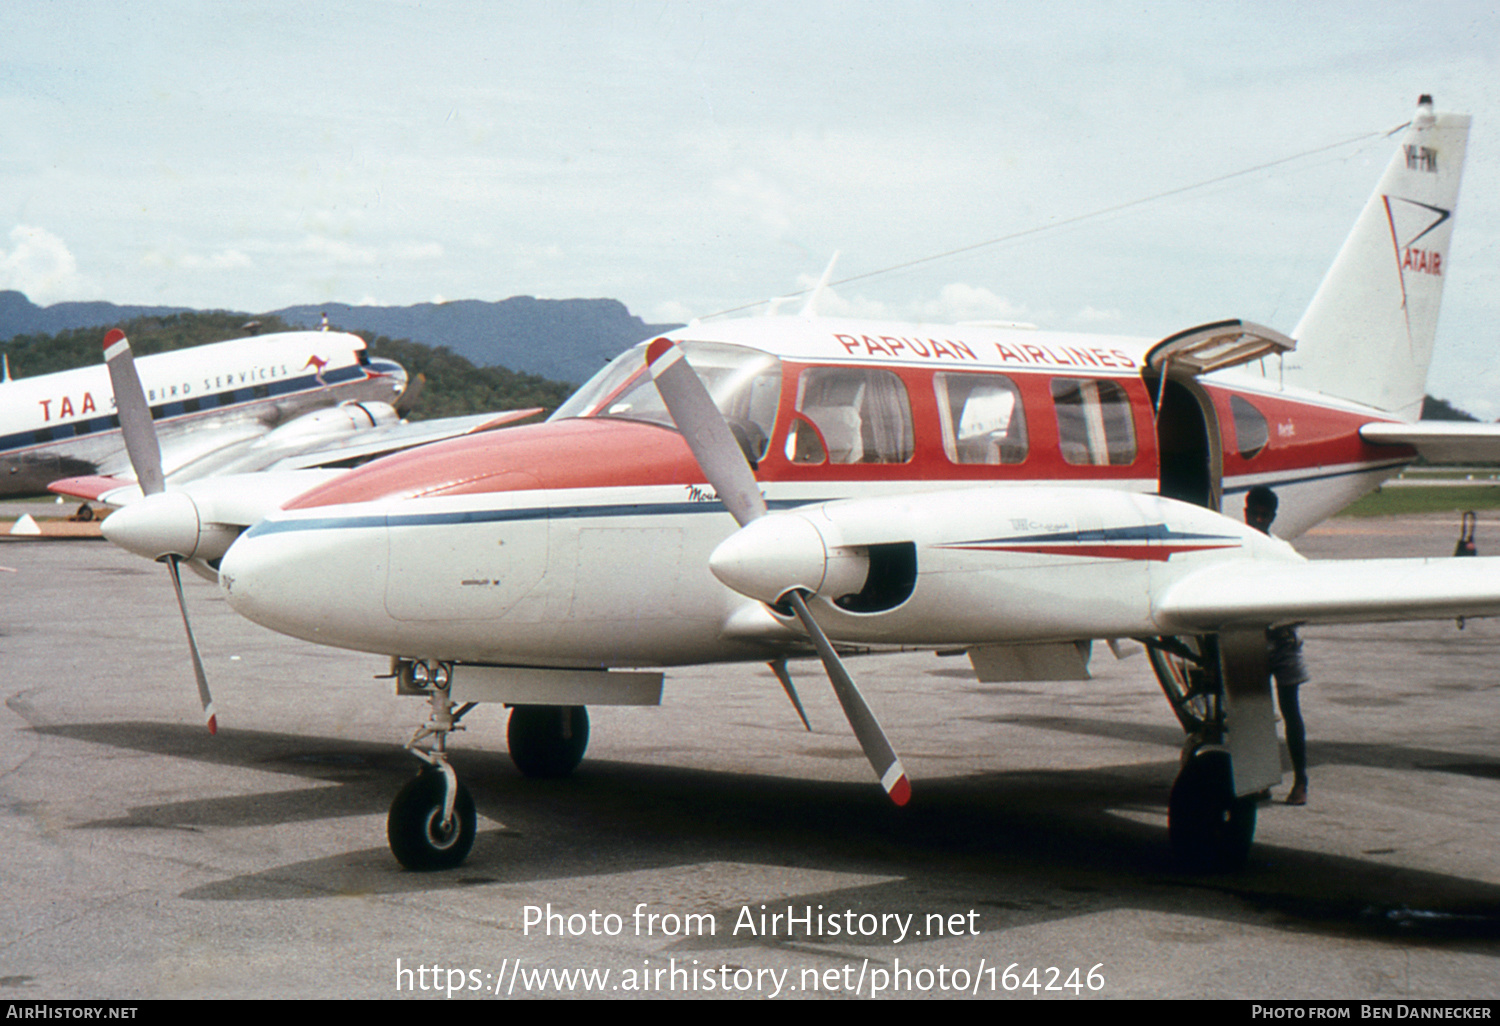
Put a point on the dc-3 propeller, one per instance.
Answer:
(145, 459)
(724, 464)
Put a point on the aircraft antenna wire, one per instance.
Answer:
(1076, 219)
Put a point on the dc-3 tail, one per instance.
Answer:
(1367, 337)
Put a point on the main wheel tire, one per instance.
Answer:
(547, 741)
(415, 825)
(1210, 829)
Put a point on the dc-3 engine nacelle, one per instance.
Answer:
(331, 423)
(984, 565)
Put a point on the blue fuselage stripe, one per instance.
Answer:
(488, 516)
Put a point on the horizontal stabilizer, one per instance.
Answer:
(92, 487)
(1441, 441)
(1263, 594)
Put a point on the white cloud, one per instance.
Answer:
(40, 265)
(335, 250)
(960, 302)
(417, 251)
(225, 260)
(671, 312)
(1090, 315)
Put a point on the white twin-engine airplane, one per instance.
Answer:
(765, 488)
(289, 400)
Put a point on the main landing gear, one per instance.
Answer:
(547, 741)
(432, 822)
(1210, 828)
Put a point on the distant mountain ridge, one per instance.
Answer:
(559, 339)
(20, 316)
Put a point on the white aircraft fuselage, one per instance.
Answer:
(203, 400)
(587, 541)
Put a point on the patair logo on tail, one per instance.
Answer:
(1410, 223)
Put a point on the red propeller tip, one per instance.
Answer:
(114, 335)
(900, 791)
(213, 728)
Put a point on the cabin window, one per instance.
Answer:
(1251, 433)
(851, 415)
(745, 385)
(1094, 425)
(983, 420)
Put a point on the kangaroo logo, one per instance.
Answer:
(317, 363)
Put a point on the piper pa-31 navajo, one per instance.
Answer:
(771, 487)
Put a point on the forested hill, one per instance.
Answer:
(454, 385)
(560, 339)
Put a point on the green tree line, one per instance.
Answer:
(454, 386)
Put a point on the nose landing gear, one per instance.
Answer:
(432, 821)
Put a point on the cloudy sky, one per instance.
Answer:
(687, 158)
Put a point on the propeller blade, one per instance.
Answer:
(134, 413)
(878, 750)
(778, 667)
(723, 462)
(719, 456)
(209, 715)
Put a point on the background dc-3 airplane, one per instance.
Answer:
(764, 488)
(288, 400)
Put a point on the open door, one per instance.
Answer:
(1187, 431)
(1187, 442)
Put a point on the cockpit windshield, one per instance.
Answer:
(745, 384)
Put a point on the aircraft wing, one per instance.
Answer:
(1263, 594)
(1441, 441)
(238, 500)
(284, 474)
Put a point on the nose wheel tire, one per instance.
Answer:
(1210, 829)
(419, 838)
(547, 741)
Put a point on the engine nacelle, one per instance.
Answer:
(331, 422)
(984, 565)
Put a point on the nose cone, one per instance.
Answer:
(399, 380)
(315, 579)
(771, 556)
(163, 524)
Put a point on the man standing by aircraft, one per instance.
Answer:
(1285, 652)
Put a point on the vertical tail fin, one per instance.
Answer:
(1368, 334)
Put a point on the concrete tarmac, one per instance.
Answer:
(145, 859)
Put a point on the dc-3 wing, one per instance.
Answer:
(1251, 593)
(391, 438)
(284, 468)
(1440, 441)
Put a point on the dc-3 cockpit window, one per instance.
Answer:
(850, 415)
(1093, 422)
(982, 418)
(745, 385)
